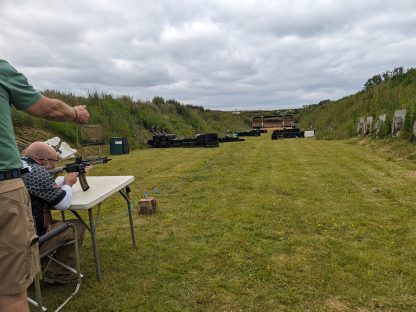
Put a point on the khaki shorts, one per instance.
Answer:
(19, 254)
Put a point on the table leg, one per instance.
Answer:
(94, 244)
(126, 195)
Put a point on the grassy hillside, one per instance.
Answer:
(382, 94)
(260, 225)
(125, 117)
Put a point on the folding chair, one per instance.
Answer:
(50, 254)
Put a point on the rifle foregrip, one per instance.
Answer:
(83, 182)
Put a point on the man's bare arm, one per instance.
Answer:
(56, 110)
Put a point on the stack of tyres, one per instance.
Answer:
(244, 133)
(170, 140)
(256, 132)
(162, 140)
(176, 143)
(250, 133)
(230, 139)
(277, 135)
(291, 133)
(189, 143)
(200, 140)
(211, 140)
(286, 133)
(157, 139)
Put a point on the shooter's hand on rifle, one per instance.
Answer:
(70, 178)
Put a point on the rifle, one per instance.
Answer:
(79, 166)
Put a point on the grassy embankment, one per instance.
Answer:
(125, 117)
(260, 225)
(387, 93)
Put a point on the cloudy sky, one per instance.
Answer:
(220, 54)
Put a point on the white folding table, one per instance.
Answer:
(100, 189)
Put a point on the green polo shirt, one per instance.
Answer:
(14, 90)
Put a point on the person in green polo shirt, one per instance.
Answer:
(18, 240)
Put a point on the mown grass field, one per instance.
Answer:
(260, 225)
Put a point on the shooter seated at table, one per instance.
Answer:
(46, 194)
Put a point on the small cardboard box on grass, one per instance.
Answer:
(147, 205)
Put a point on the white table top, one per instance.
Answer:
(100, 188)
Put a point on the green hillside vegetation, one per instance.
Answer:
(382, 94)
(125, 117)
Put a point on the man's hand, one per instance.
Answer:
(56, 110)
(70, 178)
(82, 114)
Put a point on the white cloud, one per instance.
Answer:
(219, 53)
